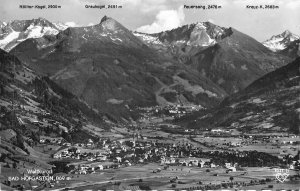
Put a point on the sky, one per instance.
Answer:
(152, 16)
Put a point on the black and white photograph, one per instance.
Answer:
(142, 95)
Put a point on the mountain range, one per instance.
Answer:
(117, 71)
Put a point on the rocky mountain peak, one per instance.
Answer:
(280, 41)
(105, 18)
(286, 33)
(42, 22)
(109, 23)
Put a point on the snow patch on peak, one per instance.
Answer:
(200, 37)
(200, 26)
(147, 38)
(108, 23)
(60, 26)
(2, 24)
(9, 38)
(38, 31)
(274, 45)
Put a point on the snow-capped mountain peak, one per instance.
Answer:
(109, 24)
(14, 32)
(280, 41)
(287, 33)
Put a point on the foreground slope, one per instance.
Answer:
(32, 105)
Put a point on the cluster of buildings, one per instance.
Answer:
(117, 154)
(171, 110)
(55, 141)
(178, 109)
(122, 153)
(188, 161)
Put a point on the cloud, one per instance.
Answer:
(71, 24)
(211, 21)
(165, 20)
(251, 2)
(147, 6)
(293, 4)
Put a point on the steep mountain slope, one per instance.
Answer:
(114, 71)
(269, 104)
(292, 50)
(280, 41)
(236, 61)
(14, 32)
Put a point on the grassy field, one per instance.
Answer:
(129, 177)
(47, 149)
(270, 147)
(289, 185)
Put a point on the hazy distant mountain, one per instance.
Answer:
(14, 32)
(113, 70)
(280, 41)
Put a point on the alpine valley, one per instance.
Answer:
(106, 107)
